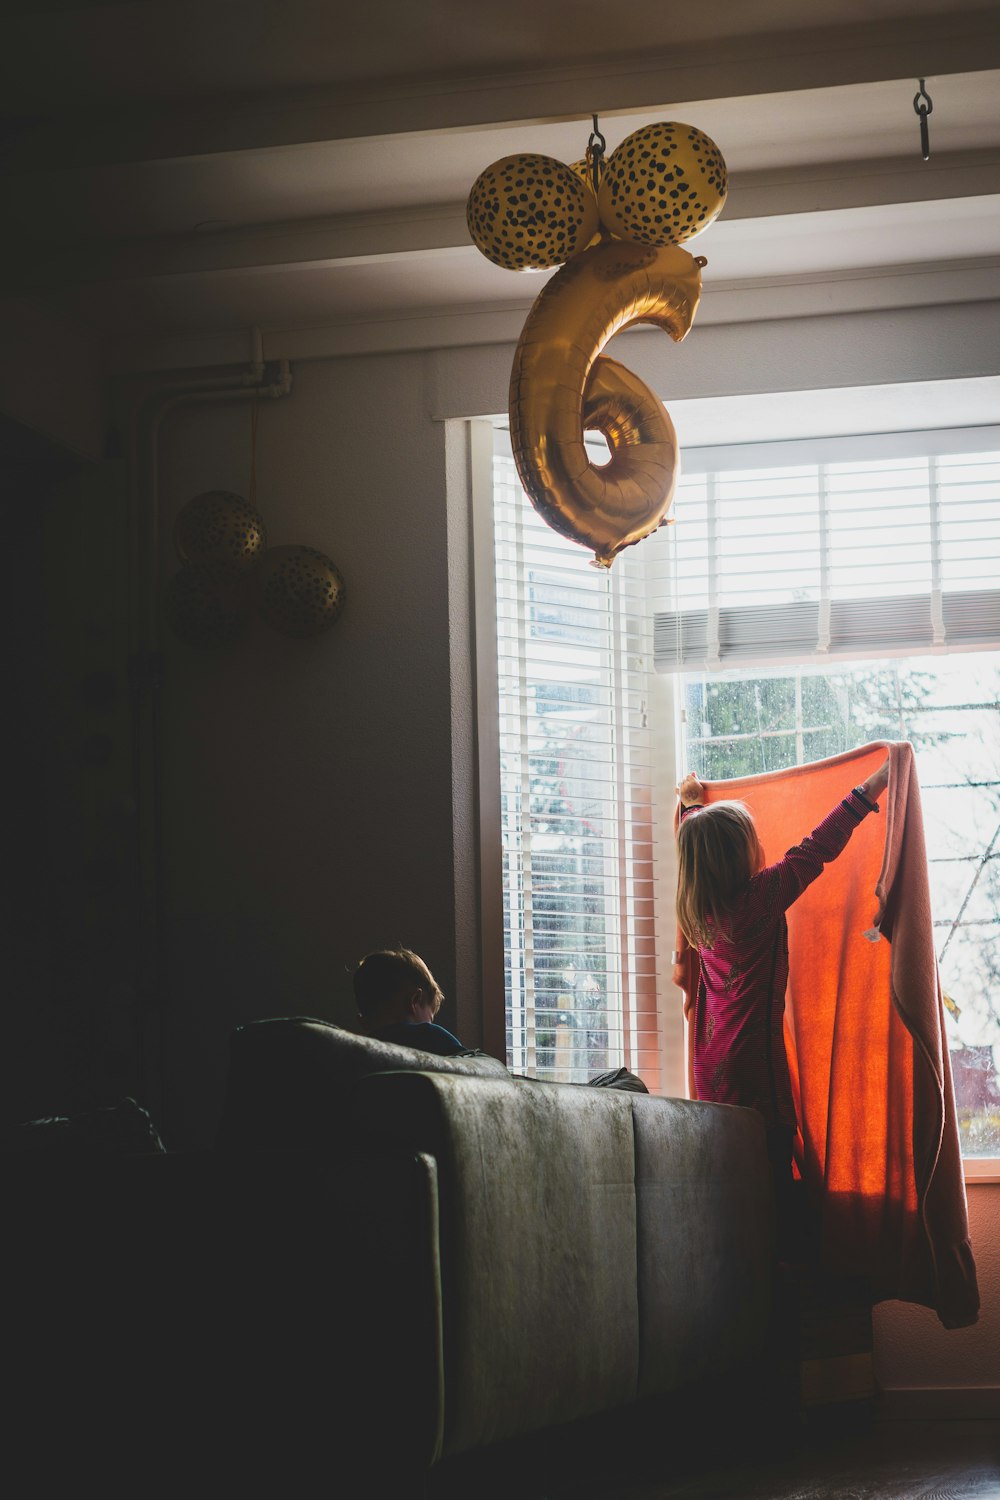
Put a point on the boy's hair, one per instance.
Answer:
(379, 977)
(718, 853)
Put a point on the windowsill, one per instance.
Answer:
(981, 1169)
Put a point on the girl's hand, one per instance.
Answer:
(877, 781)
(690, 791)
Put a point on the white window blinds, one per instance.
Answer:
(573, 649)
(831, 559)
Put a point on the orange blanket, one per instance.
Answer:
(878, 1148)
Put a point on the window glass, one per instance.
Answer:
(948, 707)
(573, 664)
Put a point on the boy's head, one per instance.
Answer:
(395, 985)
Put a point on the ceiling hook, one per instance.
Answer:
(596, 147)
(923, 110)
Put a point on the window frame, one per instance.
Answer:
(666, 734)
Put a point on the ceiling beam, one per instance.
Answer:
(902, 290)
(440, 229)
(828, 186)
(729, 67)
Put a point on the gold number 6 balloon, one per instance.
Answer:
(561, 387)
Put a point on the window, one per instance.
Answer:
(817, 565)
(793, 610)
(573, 658)
(948, 707)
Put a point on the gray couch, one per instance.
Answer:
(408, 1269)
(524, 1255)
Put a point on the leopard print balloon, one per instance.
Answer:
(530, 212)
(299, 590)
(221, 526)
(664, 184)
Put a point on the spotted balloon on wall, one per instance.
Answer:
(222, 527)
(298, 590)
(229, 575)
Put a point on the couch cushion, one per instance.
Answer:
(291, 1079)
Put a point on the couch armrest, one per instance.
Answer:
(260, 1308)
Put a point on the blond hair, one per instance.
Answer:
(718, 853)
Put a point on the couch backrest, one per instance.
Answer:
(593, 1244)
(291, 1080)
(596, 1245)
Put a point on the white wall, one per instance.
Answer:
(307, 784)
(315, 792)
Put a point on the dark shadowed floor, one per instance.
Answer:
(890, 1460)
(871, 1459)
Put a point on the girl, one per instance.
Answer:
(731, 907)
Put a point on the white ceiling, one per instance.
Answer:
(178, 173)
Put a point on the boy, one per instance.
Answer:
(398, 997)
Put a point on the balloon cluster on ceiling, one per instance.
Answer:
(229, 574)
(615, 225)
